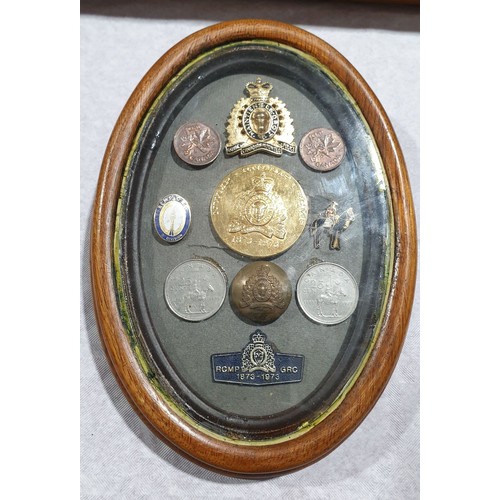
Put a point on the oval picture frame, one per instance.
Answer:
(128, 359)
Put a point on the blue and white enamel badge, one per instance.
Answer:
(172, 218)
(257, 364)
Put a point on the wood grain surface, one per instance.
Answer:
(234, 459)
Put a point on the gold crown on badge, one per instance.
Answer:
(259, 123)
(262, 183)
(258, 90)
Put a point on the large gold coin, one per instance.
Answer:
(259, 210)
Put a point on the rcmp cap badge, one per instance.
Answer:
(259, 123)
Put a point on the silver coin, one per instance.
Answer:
(195, 289)
(197, 144)
(327, 293)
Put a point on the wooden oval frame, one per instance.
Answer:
(230, 458)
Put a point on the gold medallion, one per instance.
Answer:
(259, 210)
(259, 123)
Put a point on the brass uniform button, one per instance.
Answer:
(260, 292)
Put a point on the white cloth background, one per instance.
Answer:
(120, 457)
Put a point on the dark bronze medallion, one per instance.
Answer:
(261, 292)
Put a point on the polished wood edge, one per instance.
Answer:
(213, 453)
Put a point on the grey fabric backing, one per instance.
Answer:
(189, 345)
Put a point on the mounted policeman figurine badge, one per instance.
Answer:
(259, 123)
(333, 223)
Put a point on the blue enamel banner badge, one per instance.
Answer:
(257, 364)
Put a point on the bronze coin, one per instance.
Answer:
(197, 144)
(322, 149)
(260, 292)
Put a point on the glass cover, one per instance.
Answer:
(242, 376)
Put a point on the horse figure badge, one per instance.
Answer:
(332, 223)
(259, 123)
